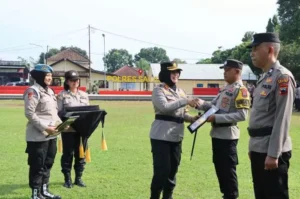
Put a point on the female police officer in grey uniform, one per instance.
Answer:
(166, 133)
(41, 112)
(71, 96)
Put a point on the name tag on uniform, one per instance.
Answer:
(266, 86)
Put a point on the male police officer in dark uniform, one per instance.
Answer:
(270, 144)
(233, 102)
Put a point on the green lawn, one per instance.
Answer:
(125, 170)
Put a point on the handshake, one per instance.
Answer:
(195, 102)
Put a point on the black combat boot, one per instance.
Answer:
(68, 180)
(78, 180)
(47, 194)
(36, 194)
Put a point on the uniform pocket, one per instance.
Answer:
(262, 100)
(83, 101)
(45, 104)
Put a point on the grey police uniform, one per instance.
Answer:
(71, 139)
(272, 111)
(269, 131)
(40, 106)
(40, 112)
(269, 126)
(233, 103)
(170, 103)
(167, 130)
(69, 99)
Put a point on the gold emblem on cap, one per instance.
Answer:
(44, 68)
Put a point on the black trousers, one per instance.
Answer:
(166, 160)
(225, 159)
(41, 157)
(270, 184)
(71, 142)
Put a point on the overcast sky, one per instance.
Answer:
(194, 25)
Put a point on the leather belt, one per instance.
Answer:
(261, 132)
(223, 124)
(169, 118)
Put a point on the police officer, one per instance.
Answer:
(270, 145)
(167, 130)
(41, 112)
(71, 96)
(233, 102)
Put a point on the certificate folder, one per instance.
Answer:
(199, 122)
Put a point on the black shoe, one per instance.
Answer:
(47, 194)
(68, 181)
(36, 194)
(79, 182)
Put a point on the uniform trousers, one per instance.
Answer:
(41, 157)
(166, 160)
(270, 184)
(225, 159)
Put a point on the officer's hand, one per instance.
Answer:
(211, 118)
(271, 163)
(192, 102)
(51, 130)
(195, 118)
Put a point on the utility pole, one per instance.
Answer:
(90, 82)
(46, 53)
(103, 35)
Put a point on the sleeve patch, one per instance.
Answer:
(242, 101)
(283, 84)
(30, 94)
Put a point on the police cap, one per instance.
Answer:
(169, 66)
(72, 75)
(232, 63)
(43, 68)
(264, 37)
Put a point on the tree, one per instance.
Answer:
(248, 36)
(289, 16)
(273, 24)
(143, 64)
(179, 61)
(117, 58)
(289, 57)
(270, 26)
(152, 55)
(204, 61)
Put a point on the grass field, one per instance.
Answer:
(124, 171)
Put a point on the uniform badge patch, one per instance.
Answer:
(263, 93)
(224, 102)
(244, 92)
(283, 84)
(269, 80)
(30, 94)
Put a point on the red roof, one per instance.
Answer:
(129, 71)
(68, 54)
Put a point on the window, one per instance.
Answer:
(101, 84)
(213, 86)
(199, 85)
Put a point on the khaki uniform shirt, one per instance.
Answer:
(166, 101)
(233, 102)
(40, 110)
(69, 99)
(272, 107)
